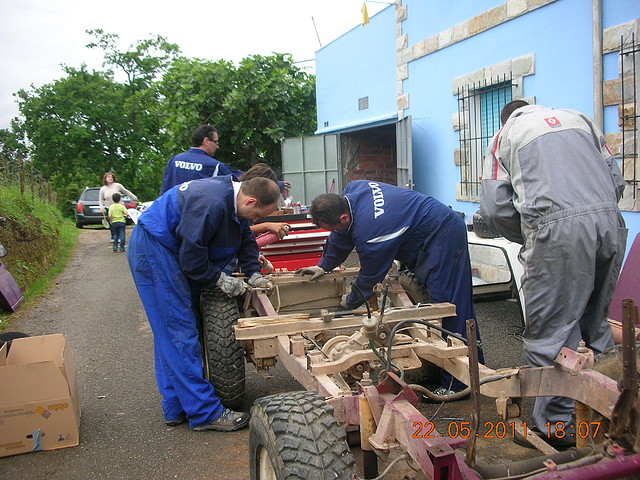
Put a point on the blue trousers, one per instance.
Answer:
(166, 297)
(444, 268)
(118, 234)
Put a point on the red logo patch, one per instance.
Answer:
(553, 122)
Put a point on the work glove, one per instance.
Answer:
(258, 281)
(315, 272)
(346, 306)
(232, 286)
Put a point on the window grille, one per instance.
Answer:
(479, 106)
(629, 112)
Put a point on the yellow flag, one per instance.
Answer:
(365, 15)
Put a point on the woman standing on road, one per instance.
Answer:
(109, 187)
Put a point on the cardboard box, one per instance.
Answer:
(39, 401)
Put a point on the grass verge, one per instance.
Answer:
(39, 241)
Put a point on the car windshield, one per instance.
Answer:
(91, 195)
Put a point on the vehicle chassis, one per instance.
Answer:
(291, 322)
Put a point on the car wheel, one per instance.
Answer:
(79, 225)
(295, 436)
(223, 355)
(482, 229)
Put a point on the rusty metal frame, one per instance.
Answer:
(387, 412)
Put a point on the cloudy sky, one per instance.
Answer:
(37, 36)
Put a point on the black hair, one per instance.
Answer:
(509, 108)
(202, 132)
(327, 208)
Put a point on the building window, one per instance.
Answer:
(479, 106)
(628, 121)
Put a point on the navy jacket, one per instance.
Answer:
(388, 223)
(192, 165)
(197, 221)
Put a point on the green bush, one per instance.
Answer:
(39, 240)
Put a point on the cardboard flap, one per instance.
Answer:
(45, 348)
(3, 355)
(32, 383)
(38, 393)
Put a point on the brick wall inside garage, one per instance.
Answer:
(370, 154)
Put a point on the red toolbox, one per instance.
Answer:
(301, 248)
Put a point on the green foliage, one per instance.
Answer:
(12, 152)
(254, 105)
(86, 123)
(38, 239)
(143, 64)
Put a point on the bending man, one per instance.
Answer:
(182, 241)
(551, 184)
(385, 223)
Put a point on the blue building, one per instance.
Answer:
(413, 97)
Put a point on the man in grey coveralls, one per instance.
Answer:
(551, 184)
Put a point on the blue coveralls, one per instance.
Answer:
(187, 236)
(193, 164)
(390, 222)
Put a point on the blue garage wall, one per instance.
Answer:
(562, 78)
(616, 12)
(361, 63)
(430, 17)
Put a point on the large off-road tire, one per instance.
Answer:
(294, 436)
(223, 355)
(416, 291)
(429, 373)
(483, 229)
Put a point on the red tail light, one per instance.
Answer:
(79, 206)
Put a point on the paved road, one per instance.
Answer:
(122, 434)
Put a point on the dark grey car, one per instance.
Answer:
(87, 208)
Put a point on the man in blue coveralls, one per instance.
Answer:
(183, 240)
(384, 222)
(197, 162)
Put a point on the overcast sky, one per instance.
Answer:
(37, 36)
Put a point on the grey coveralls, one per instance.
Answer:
(551, 184)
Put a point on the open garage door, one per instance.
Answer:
(404, 156)
(322, 163)
(312, 166)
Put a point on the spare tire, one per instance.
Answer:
(483, 229)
